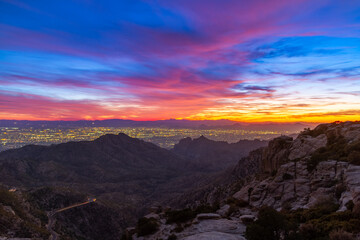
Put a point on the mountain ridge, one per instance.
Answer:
(209, 153)
(130, 173)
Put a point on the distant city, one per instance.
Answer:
(14, 137)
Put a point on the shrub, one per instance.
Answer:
(332, 137)
(326, 204)
(339, 189)
(179, 228)
(335, 150)
(146, 226)
(356, 210)
(187, 214)
(126, 237)
(321, 222)
(340, 235)
(350, 205)
(354, 158)
(180, 216)
(354, 146)
(287, 176)
(172, 237)
(270, 225)
(236, 202)
(207, 208)
(309, 231)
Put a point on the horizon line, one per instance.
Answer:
(155, 120)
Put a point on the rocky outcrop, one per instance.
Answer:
(276, 153)
(305, 145)
(283, 154)
(293, 185)
(279, 151)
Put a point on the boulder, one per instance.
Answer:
(214, 236)
(226, 228)
(223, 211)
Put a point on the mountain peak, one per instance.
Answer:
(121, 137)
(202, 138)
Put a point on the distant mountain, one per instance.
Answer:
(110, 158)
(171, 123)
(215, 155)
(129, 171)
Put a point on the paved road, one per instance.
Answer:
(52, 220)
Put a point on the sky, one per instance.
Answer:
(248, 61)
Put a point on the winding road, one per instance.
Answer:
(52, 220)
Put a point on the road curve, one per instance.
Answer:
(52, 220)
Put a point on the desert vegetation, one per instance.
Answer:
(321, 222)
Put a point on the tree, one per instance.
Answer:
(271, 225)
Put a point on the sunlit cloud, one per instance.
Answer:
(252, 61)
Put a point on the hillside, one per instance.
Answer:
(130, 174)
(23, 214)
(215, 155)
(303, 188)
(117, 168)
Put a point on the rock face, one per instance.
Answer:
(293, 185)
(276, 153)
(305, 145)
(280, 151)
(215, 155)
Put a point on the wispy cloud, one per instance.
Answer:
(240, 60)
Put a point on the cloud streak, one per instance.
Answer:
(242, 60)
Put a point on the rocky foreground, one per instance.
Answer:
(313, 183)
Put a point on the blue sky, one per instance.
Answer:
(252, 61)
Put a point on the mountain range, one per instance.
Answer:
(218, 189)
(127, 173)
(171, 123)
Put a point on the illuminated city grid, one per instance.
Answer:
(164, 137)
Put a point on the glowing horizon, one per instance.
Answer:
(247, 61)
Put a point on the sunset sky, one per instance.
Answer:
(249, 61)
